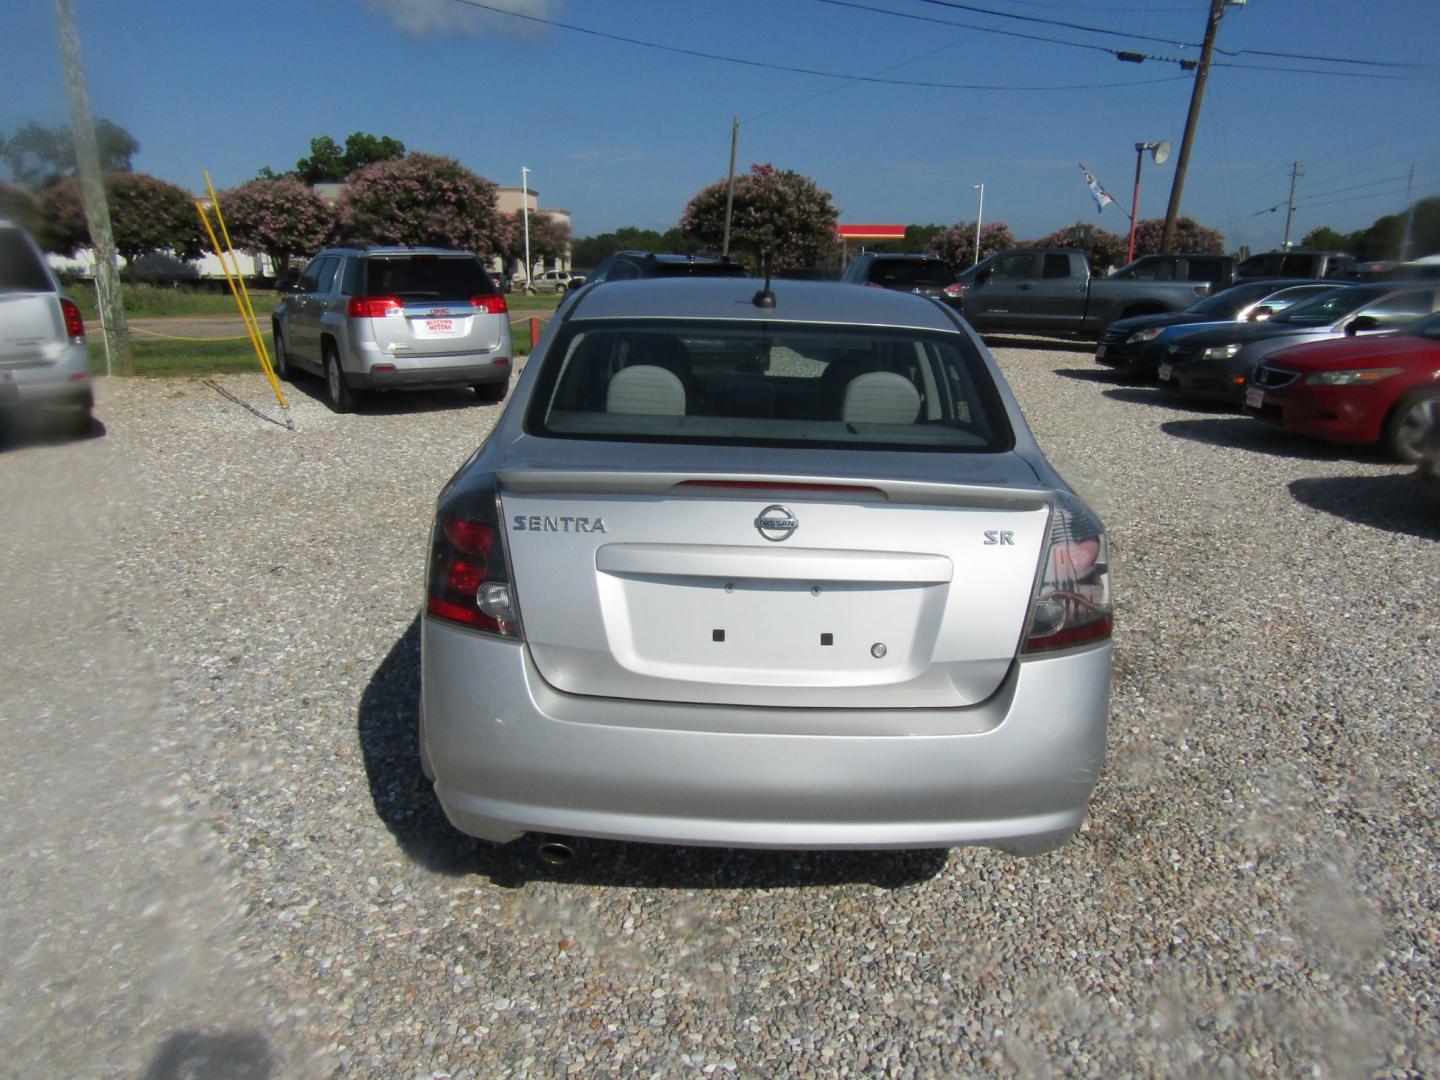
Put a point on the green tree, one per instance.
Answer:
(779, 216)
(591, 251)
(37, 155)
(422, 199)
(19, 206)
(328, 163)
(280, 217)
(1326, 239)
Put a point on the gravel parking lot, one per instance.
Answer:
(220, 859)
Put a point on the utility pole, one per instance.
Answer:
(1192, 119)
(119, 357)
(980, 216)
(730, 187)
(1296, 171)
(525, 214)
(1409, 217)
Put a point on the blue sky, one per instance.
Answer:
(622, 134)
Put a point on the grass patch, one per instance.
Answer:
(157, 357)
(145, 301)
(519, 301)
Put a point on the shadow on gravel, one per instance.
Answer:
(226, 1055)
(1398, 503)
(406, 803)
(1000, 341)
(396, 402)
(1095, 375)
(1247, 433)
(1138, 393)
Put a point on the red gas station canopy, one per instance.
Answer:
(870, 232)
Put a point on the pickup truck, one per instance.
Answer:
(1051, 291)
(1218, 270)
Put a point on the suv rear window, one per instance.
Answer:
(894, 274)
(760, 384)
(435, 276)
(20, 269)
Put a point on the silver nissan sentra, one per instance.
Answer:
(780, 568)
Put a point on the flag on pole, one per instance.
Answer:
(1102, 197)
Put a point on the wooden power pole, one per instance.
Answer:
(92, 189)
(730, 187)
(1192, 119)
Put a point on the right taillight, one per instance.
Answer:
(1071, 605)
(74, 322)
(490, 304)
(468, 581)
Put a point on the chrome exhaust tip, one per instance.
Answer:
(554, 850)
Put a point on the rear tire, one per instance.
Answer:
(282, 359)
(491, 392)
(1406, 427)
(337, 393)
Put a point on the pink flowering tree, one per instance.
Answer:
(280, 217)
(957, 243)
(1190, 235)
(778, 215)
(147, 215)
(422, 199)
(1101, 248)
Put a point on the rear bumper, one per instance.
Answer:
(511, 755)
(64, 384)
(376, 369)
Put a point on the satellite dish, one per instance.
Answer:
(1161, 151)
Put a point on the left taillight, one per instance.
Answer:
(74, 322)
(487, 304)
(468, 579)
(1071, 604)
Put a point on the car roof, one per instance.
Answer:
(733, 298)
(675, 257)
(396, 249)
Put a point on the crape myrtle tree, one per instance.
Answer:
(1102, 248)
(422, 199)
(1190, 235)
(778, 215)
(957, 243)
(549, 238)
(147, 215)
(281, 218)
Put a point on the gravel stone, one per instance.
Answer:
(220, 858)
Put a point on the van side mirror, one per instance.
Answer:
(1361, 324)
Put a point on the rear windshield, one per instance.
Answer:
(20, 268)
(910, 275)
(765, 384)
(450, 277)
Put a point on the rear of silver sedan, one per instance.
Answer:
(790, 577)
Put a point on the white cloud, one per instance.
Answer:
(423, 17)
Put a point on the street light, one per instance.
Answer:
(525, 214)
(1160, 151)
(981, 214)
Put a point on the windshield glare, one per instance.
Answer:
(1329, 306)
(1232, 301)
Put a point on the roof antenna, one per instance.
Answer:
(764, 298)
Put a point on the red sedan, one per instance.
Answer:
(1382, 390)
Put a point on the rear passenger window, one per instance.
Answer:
(1057, 266)
(768, 385)
(326, 274)
(20, 268)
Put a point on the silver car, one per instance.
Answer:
(394, 318)
(789, 576)
(44, 361)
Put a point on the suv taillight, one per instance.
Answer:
(486, 304)
(74, 322)
(1071, 605)
(956, 290)
(469, 580)
(374, 307)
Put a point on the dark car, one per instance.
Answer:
(1217, 363)
(924, 275)
(1312, 264)
(1383, 390)
(631, 265)
(1123, 345)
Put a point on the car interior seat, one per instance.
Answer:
(880, 397)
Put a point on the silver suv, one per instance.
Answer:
(44, 362)
(394, 318)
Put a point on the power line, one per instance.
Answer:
(977, 9)
(745, 62)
